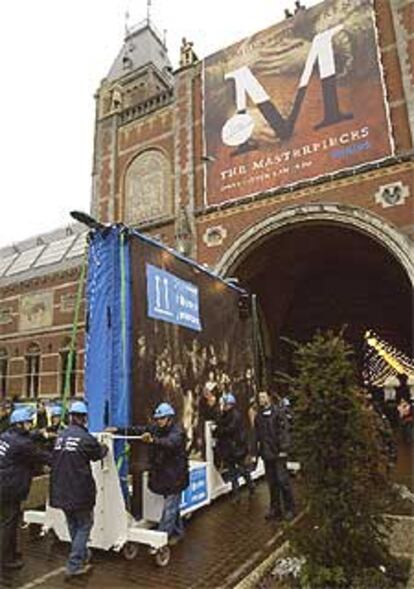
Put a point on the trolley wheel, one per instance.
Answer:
(130, 550)
(162, 556)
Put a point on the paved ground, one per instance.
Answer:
(223, 543)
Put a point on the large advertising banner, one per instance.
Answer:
(190, 341)
(296, 101)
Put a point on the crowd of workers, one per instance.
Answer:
(66, 450)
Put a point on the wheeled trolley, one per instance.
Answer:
(114, 527)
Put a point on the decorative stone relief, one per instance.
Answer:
(214, 236)
(391, 195)
(6, 315)
(187, 54)
(36, 310)
(147, 188)
(67, 302)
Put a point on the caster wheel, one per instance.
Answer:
(162, 556)
(130, 551)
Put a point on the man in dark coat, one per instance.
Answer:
(19, 458)
(168, 474)
(272, 437)
(72, 487)
(232, 446)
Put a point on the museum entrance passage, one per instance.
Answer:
(318, 275)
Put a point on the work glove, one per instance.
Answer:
(147, 438)
(111, 429)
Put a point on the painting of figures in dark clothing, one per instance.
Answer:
(192, 342)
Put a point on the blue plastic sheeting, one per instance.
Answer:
(108, 352)
(108, 343)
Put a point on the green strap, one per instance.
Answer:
(125, 454)
(123, 316)
(75, 325)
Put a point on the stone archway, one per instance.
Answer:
(322, 266)
(359, 219)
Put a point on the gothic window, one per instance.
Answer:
(64, 359)
(32, 370)
(4, 366)
(148, 188)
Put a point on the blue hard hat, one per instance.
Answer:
(78, 407)
(164, 410)
(229, 399)
(56, 411)
(21, 415)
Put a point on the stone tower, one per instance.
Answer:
(139, 82)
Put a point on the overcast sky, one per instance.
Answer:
(53, 54)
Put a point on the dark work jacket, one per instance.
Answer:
(41, 420)
(19, 458)
(231, 436)
(168, 474)
(72, 487)
(272, 432)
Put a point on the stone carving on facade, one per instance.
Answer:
(116, 99)
(183, 232)
(391, 195)
(67, 303)
(148, 188)
(187, 53)
(36, 310)
(214, 236)
(6, 315)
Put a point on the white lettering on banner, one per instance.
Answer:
(246, 84)
(277, 159)
(239, 127)
(172, 299)
(322, 52)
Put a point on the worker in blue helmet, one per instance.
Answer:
(19, 458)
(168, 473)
(55, 419)
(72, 487)
(232, 445)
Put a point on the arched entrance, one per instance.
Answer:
(324, 266)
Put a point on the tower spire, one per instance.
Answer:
(149, 4)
